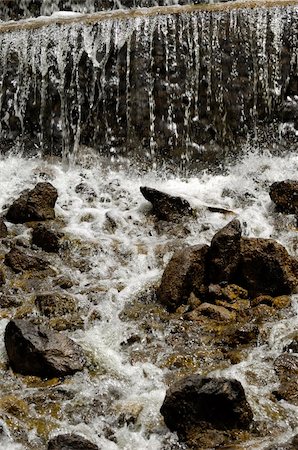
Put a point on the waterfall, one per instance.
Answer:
(166, 83)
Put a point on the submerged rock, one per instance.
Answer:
(37, 204)
(210, 403)
(3, 229)
(291, 445)
(20, 261)
(37, 350)
(45, 238)
(216, 312)
(266, 268)
(224, 253)
(71, 442)
(285, 196)
(165, 206)
(185, 270)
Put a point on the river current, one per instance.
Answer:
(111, 266)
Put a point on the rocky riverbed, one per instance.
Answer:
(108, 302)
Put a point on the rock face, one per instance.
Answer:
(184, 270)
(20, 261)
(224, 253)
(266, 268)
(71, 442)
(45, 238)
(37, 204)
(165, 206)
(285, 196)
(3, 229)
(196, 401)
(37, 350)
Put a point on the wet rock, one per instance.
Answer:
(185, 270)
(35, 205)
(86, 191)
(71, 442)
(37, 350)
(285, 196)
(45, 238)
(286, 366)
(292, 347)
(224, 253)
(288, 391)
(20, 261)
(230, 293)
(63, 281)
(216, 312)
(245, 334)
(55, 304)
(167, 207)
(210, 403)
(266, 268)
(3, 229)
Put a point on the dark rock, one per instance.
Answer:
(55, 304)
(224, 253)
(196, 401)
(86, 191)
(266, 268)
(185, 270)
(71, 442)
(167, 207)
(3, 229)
(37, 204)
(45, 238)
(292, 347)
(285, 196)
(37, 350)
(20, 261)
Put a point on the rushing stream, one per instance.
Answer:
(89, 93)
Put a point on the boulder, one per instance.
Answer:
(224, 253)
(45, 238)
(210, 403)
(285, 196)
(35, 205)
(185, 270)
(37, 350)
(3, 229)
(165, 206)
(54, 304)
(20, 261)
(70, 442)
(266, 268)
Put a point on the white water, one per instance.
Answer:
(120, 264)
